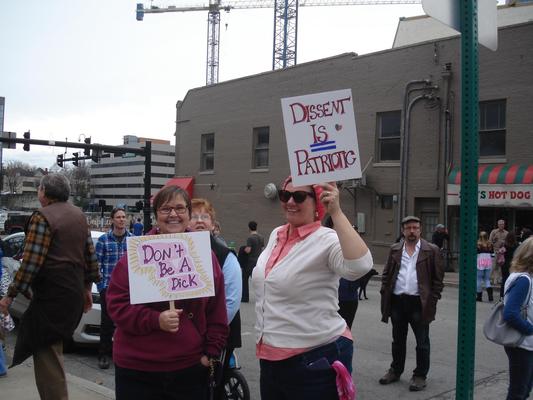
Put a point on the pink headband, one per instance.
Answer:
(320, 210)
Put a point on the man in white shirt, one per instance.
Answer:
(411, 286)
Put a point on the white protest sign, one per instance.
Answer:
(321, 137)
(170, 267)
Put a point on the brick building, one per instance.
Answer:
(230, 137)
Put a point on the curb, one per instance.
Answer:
(90, 386)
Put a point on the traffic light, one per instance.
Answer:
(60, 160)
(95, 155)
(87, 151)
(26, 146)
(140, 11)
(139, 205)
(76, 160)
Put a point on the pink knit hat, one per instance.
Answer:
(320, 210)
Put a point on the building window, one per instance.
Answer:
(492, 128)
(207, 162)
(261, 142)
(388, 127)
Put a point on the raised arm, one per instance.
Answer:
(353, 247)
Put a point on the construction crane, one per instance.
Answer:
(285, 24)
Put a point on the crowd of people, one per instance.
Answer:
(304, 280)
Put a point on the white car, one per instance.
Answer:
(88, 330)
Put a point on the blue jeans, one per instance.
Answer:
(407, 310)
(3, 370)
(520, 373)
(483, 277)
(303, 378)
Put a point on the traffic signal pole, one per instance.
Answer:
(147, 186)
(145, 151)
(466, 334)
(76, 145)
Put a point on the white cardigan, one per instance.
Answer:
(296, 305)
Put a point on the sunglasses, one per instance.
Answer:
(299, 196)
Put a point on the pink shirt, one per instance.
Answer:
(285, 242)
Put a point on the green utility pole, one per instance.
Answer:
(466, 335)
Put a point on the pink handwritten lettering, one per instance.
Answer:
(183, 282)
(320, 134)
(310, 112)
(155, 254)
(185, 267)
(323, 163)
(165, 270)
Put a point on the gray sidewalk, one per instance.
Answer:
(19, 384)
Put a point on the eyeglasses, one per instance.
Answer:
(167, 210)
(201, 217)
(299, 196)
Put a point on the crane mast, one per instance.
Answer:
(213, 41)
(285, 25)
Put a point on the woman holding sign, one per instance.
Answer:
(161, 353)
(301, 340)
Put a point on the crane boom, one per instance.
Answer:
(285, 24)
(243, 4)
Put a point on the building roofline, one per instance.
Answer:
(352, 55)
(320, 60)
(501, 6)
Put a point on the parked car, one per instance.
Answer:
(16, 222)
(13, 245)
(3, 219)
(88, 330)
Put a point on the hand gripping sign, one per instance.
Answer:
(170, 267)
(321, 137)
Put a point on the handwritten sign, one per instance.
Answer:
(321, 137)
(170, 267)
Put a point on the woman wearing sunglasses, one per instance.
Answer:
(299, 333)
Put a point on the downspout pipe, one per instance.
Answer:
(446, 78)
(408, 90)
(404, 180)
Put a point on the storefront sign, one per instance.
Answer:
(170, 267)
(321, 137)
(496, 195)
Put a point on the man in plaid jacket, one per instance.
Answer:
(110, 247)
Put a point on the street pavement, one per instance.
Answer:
(371, 358)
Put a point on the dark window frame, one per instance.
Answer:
(260, 148)
(207, 152)
(492, 128)
(389, 139)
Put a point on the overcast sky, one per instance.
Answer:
(86, 67)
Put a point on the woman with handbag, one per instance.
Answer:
(517, 299)
(484, 265)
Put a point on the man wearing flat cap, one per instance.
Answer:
(411, 286)
(439, 236)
